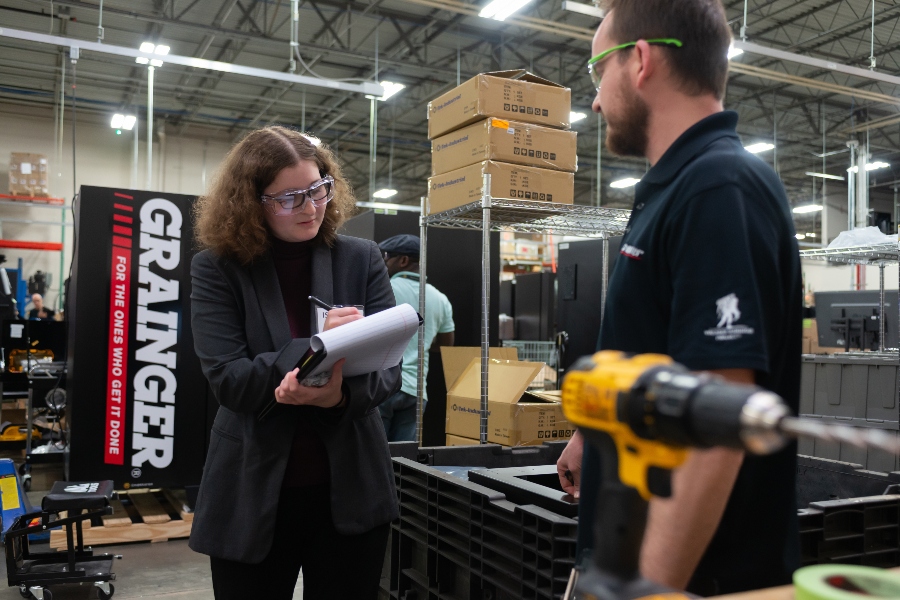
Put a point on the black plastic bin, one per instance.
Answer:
(459, 540)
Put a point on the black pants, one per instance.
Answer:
(335, 566)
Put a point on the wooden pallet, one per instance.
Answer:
(138, 516)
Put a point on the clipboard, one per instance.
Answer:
(370, 344)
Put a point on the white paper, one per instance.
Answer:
(321, 314)
(15, 330)
(372, 343)
(26, 168)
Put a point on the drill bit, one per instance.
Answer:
(861, 437)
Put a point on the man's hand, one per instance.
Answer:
(568, 467)
(341, 316)
(291, 391)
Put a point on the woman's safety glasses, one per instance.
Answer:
(288, 202)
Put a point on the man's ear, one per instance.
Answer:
(646, 63)
(404, 261)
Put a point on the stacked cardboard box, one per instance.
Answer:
(28, 174)
(515, 417)
(510, 124)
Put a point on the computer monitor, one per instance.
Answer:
(850, 319)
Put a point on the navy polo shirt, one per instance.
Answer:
(709, 274)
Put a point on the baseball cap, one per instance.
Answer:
(404, 243)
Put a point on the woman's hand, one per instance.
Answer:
(341, 316)
(290, 391)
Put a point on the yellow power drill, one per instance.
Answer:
(643, 413)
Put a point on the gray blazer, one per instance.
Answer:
(243, 340)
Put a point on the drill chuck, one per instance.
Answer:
(674, 406)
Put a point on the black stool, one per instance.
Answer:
(33, 572)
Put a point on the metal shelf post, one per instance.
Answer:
(420, 374)
(485, 301)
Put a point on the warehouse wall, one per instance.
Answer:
(102, 159)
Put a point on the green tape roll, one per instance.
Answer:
(845, 582)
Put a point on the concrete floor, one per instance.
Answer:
(163, 570)
(168, 570)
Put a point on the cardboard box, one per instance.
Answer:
(455, 440)
(515, 417)
(505, 141)
(28, 174)
(512, 95)
(462, 186)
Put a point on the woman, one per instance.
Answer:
(310, 485)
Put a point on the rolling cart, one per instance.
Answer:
(46, 386)
(32, 572)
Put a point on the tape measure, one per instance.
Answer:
(845, 582)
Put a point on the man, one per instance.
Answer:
(39, 311)
(709, 274)
(401, 255)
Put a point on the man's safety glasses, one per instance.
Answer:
(594, 64)
(289, 202)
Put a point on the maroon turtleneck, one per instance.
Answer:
(308, 461)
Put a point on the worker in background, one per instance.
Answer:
(39, 311)
(401, 255)
(309, 487)
(710, 275)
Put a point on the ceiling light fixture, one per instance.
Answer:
(584, 9)
(807, 208)
(499, 10)
(759, 147)
(624, 183)
(800, 236)
(384, 193)
(825, 176)
(120, 121)
(872, 166)
(390, 88)
(733, 52)
(151, 48)
(574, 117)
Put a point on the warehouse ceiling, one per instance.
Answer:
(430, 45)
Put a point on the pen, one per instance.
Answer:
(320, 303)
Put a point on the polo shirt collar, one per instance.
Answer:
(690, 143)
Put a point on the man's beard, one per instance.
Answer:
(627, 135)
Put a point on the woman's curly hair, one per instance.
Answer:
(229, 218)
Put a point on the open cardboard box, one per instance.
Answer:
(515, 417)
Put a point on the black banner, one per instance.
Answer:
(138, 399)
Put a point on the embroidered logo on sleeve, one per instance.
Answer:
(631, 252)
(728, 313)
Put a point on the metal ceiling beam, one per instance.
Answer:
(365, 87)
(816, 62)
(544, 25)
(876, 124)
(817, 84)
